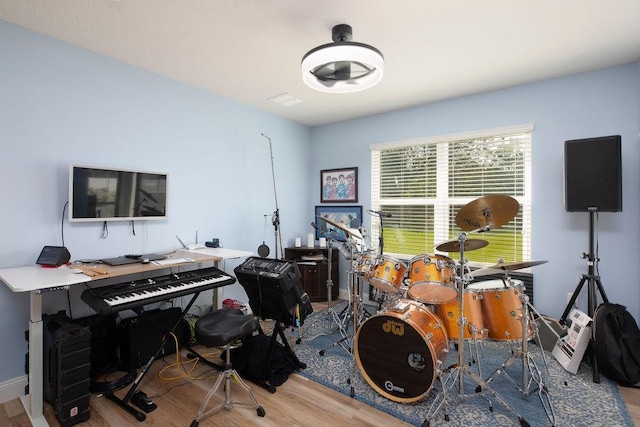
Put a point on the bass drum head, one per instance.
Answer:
(398, 353)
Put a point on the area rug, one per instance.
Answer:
(571, 400)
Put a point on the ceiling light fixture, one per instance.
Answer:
(343, 66)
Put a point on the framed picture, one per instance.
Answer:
(331, 220)
(339, 185)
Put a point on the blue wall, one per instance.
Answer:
(61, 104)
(592, 104)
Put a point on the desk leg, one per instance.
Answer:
(33, 402)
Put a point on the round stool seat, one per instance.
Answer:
(224, 326)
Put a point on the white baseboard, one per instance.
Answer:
(13, 388)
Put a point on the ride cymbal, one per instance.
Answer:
(454, 245)
(494, 211)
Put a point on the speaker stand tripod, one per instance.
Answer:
(594, 283)
(458, 372)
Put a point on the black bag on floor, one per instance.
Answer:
(617, 343)
(252, 358)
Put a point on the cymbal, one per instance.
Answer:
(339, 226)
(494, 210)
(454, 245)
(515, 265)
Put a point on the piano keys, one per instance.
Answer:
(128, 295)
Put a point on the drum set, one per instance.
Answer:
(428, 303)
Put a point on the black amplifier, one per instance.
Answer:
(274, 288)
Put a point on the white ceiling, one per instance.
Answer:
(250, 50)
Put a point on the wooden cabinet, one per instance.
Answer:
(314, 269)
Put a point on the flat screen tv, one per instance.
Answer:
(110, 194)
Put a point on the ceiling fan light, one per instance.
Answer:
(356, 66)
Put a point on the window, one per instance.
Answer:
(424, 183)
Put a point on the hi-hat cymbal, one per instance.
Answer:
(454, 245)
(494, 210)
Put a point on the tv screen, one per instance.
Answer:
(108, 194)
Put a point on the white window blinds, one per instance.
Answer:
(424, 183)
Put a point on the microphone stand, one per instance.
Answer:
(275, 219)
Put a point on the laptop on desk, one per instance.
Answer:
(123, 260)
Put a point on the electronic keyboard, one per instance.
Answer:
(125, 296)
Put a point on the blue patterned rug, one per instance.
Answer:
(571, 400)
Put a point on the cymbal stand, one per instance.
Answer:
(457, 372)
(352, 311)
(330, 315)
(530, 371)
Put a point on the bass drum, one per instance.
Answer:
(397, 351)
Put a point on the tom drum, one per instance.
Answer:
(432, 279)
(472, 308)
(387, 274)
(502, 309)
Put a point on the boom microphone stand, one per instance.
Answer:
(275, 219)
(594, 282)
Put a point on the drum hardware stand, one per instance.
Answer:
(330, 314)
(593, 283)
(530, 370)
(459, 370)
(353, 314)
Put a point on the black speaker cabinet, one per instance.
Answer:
(67, 365)
(593, 174)
(142, 335)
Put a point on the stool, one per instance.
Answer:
(222, 328)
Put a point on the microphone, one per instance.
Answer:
(381, 213)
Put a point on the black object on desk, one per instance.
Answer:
(132, 259)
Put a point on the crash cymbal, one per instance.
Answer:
(454, 245)
(515, 265)
(339, 226)
(494, 210)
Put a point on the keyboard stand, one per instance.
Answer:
(124, 402)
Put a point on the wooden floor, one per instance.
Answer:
(298, 402)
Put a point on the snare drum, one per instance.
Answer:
(431, 278)
(387, 274)
(502, 309)
(398, 351)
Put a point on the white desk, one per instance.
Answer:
(38, 280)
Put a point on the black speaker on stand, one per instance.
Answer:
(593, 183)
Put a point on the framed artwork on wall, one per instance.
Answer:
(331, 220)
(339, 185)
